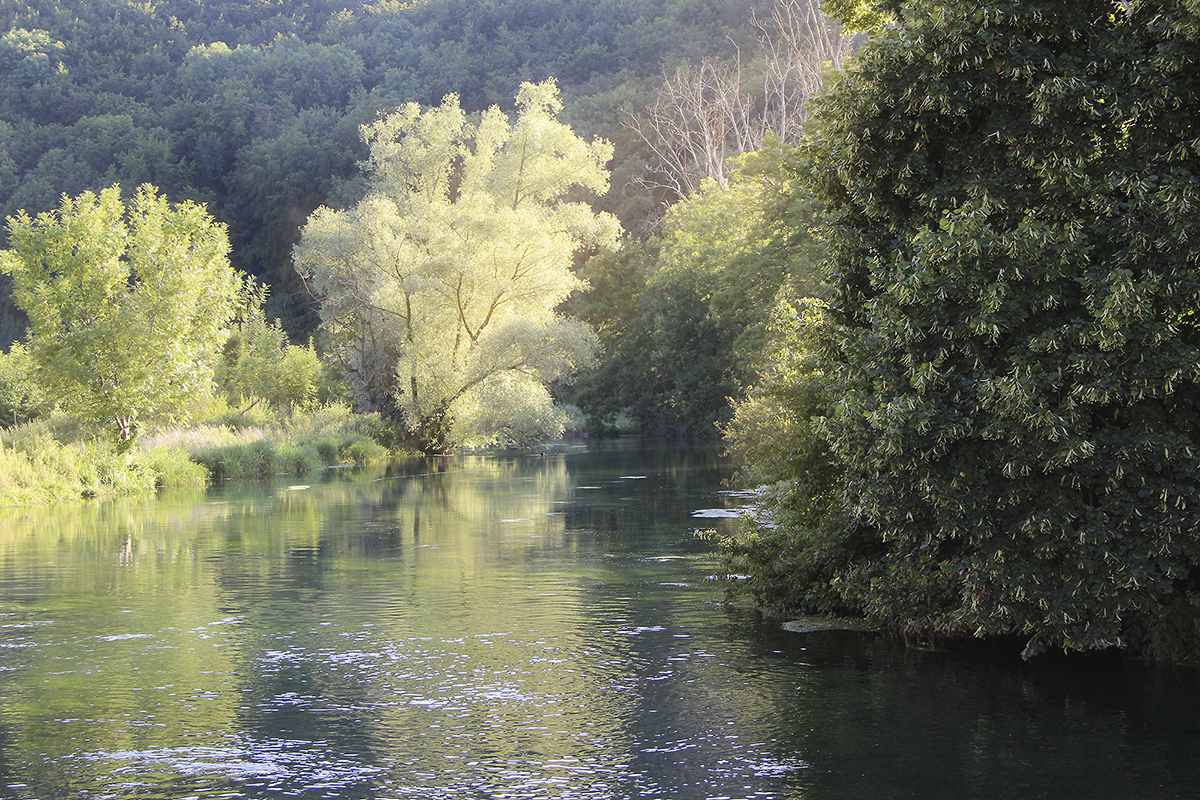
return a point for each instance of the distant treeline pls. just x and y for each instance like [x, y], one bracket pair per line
[253, 106]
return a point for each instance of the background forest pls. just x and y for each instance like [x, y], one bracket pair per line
[253, 108]
[258, 112]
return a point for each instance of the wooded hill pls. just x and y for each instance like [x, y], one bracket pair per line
[254, 106]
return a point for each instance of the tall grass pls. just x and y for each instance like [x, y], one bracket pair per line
[58, 458]
[35, 468]
[258, 445]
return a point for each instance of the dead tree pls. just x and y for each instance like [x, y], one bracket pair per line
[704, 115]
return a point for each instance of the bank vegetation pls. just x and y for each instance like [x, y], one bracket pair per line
[929, 269]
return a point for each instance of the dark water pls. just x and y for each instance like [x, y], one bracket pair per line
[508, 626]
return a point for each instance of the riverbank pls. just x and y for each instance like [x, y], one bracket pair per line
[57, 459]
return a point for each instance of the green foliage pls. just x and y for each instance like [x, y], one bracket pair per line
[298, 377]
[254, 107]
[29, 59]
[869, 16]
[447, 275]
[21, 397]
[173, 469]
[362, 451]
[1013, 191]
[35, 469]
[684, 317]
[127, 305]
[788, 554]
[256, 459]
[230, 445]
[259, 457]
[259, 363]
[771, 436]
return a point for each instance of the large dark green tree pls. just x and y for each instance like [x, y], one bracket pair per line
[1014, 192]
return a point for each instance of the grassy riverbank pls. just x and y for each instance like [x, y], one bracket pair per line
[58, 459]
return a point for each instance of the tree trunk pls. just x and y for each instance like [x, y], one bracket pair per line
[125, 432]
[433, 433]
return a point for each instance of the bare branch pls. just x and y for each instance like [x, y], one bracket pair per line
[702, 116]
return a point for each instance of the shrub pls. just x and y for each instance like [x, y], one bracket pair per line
[361, 450]
[327, 450]
[297, 457]
[174, 468]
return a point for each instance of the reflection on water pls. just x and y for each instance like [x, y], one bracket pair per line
[506, 626]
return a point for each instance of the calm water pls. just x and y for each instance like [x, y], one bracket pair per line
[508, 626]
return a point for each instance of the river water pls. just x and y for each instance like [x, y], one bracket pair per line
[509, 625]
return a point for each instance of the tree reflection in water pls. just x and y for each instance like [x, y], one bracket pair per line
[505, 625]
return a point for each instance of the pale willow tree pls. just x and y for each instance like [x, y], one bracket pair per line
[128, 306]
[449, 272]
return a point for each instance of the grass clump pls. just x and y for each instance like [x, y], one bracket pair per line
[174, 469]
[37, 468]
[258, 444]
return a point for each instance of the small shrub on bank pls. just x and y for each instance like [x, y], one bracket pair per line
[361, 450]
[327, 450]
[298, 457]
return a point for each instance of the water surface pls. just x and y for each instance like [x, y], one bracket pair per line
[508, 625]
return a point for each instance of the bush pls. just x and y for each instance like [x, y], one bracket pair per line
[327, 450]
[361, 450]
[21, 399]
[298, 457]
[249, 459]
[788, 557]
[787, 565]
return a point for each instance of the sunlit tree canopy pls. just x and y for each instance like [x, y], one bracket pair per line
[440, 287]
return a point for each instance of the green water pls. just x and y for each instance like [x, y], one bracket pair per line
[508, 625]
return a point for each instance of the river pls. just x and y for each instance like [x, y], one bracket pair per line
[509, 625]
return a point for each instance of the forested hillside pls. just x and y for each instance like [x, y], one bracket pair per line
[254, 106]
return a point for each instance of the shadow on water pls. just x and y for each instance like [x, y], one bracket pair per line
[972, 720]
[509, 624]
